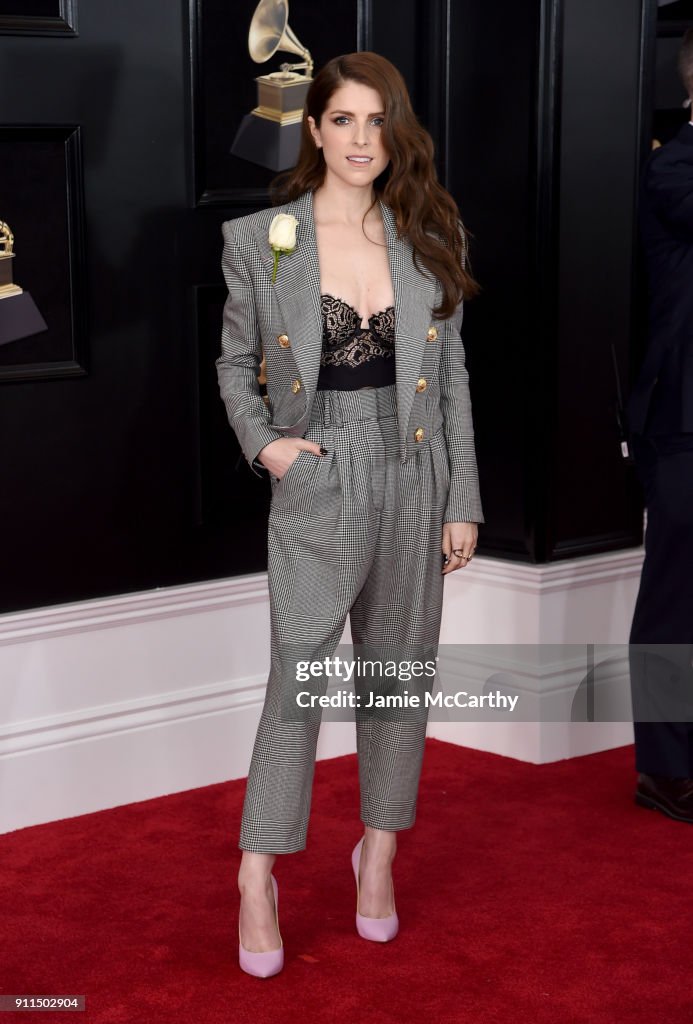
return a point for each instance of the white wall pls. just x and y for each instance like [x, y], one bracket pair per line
[120, 699]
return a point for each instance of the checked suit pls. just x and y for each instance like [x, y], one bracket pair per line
[356, 532]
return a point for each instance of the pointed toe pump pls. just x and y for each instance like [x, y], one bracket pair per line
[263, 965]
[376, 929]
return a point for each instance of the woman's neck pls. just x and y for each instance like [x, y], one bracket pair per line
[341, 203]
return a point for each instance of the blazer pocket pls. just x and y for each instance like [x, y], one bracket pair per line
[434, 413]
[439, 452]
[286, 410]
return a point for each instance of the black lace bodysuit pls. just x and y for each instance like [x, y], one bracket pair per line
[354, 356]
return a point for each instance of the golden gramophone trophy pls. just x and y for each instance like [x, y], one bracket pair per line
[271, 134]
[19, 316]
[7, 288]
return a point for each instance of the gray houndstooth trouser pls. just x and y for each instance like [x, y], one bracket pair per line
[354, 532]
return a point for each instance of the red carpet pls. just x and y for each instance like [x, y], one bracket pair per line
[525, 893]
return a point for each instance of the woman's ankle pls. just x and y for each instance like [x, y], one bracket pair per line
[255, 870]
[380, 846]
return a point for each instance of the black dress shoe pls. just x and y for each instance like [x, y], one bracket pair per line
[673, 797]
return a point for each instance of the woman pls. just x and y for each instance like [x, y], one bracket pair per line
[366, 433]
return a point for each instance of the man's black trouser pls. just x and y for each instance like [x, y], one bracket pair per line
[664, 608]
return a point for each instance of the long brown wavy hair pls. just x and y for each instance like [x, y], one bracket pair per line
[424, 211]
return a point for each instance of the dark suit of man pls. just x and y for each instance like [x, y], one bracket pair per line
[660, 414]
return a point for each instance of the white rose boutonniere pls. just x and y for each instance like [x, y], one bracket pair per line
[282, 237]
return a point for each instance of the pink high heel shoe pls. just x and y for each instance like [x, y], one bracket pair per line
[263, 965]
[377, 929]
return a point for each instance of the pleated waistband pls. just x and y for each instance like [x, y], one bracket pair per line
[335, 407]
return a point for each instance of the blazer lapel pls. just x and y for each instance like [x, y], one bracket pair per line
[415, 295]
[297, 288]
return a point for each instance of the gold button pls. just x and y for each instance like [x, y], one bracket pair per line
[432, 333]
[265, 399]
[421, 384]
[283, 340]
[418, 434]
[296, 386]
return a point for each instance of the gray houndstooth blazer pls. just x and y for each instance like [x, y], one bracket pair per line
[284, 320]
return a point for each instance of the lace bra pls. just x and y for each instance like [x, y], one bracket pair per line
[354, 356]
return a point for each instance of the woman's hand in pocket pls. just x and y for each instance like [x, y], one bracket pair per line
[278, 455]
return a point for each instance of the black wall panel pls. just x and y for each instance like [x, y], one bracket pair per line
[42, 199]
[97, 470]
[592, 494]
[493, 167]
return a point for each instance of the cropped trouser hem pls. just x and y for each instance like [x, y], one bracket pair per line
[255, 839]
[258, 843]
[388, 823]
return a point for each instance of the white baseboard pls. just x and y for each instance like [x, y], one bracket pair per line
[538, 743]
[121, 699]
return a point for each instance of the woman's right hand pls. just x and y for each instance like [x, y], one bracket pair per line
[278, 455]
